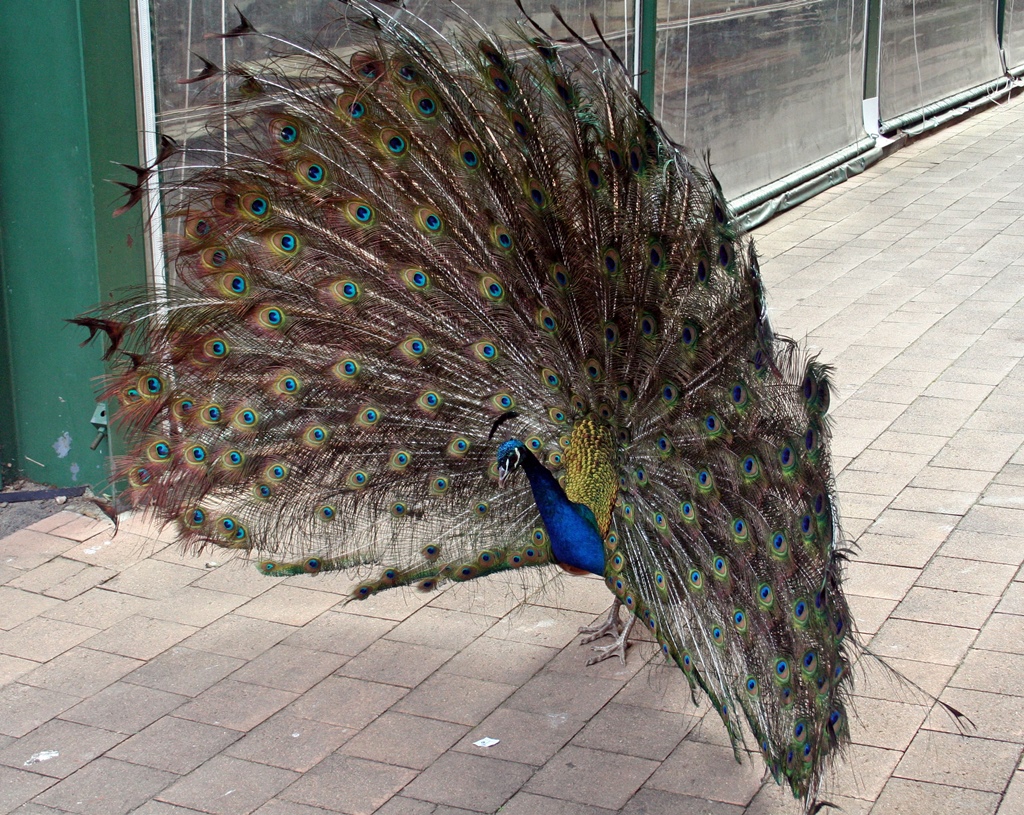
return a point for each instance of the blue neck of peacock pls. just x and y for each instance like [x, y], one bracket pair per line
[575, 540]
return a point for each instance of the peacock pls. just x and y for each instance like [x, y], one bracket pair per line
[451, 303]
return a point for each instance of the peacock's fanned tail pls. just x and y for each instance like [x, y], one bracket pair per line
[408, 236]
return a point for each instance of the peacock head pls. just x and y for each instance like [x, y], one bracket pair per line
[510, 456]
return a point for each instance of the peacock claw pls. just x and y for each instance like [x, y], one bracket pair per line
[617, 648]
[611, 626]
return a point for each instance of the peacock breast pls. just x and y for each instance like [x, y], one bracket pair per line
[590, 475]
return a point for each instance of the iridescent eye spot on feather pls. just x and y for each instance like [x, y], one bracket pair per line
[491, 289]
[315, 436]
[534, 443]
[718, 637]
[660, 583]
[656, 255]
[139, 477]
[765, 596]
[811, 440]
[491, 54]
[429, 221]
[664, 445]
[610, 261]
[469, 154]
[550, 379]
[214, 258]
[740, 531]
[669, 395]
[287, 384]
[458, 447]
[326, 513]
[781, 672]
[739, 621]
[725, 256]
[196, 454]
[753, 690]
[648, 326]
[346, 291]
[194, 518]
[558, 416]
[261, 492]
[636, 159]
[270, 317]
[713, 426]
[696, 579]
[787, 460]
[500, 81]
[809, 666]
[399, 509]
[311, 173]
[625, 395]
[564, 91]
[703, 271]
[346, 369]
[559, 275]
[750, 468]
[416, 279]
[350, 108]
[546, 321]
[414, 348]
[359, 213]
[399, 460]
[366, 66]
[807, 527]
[357, 479]
[705, 481]
[369, 417]
[150, 386]
[503, 402]
[255, 205]
[211, 415]
[284, 243]
[233, 284]
[485, 351]
[284, 131]
[439, 485]
[720, 567]
[660, 521]
[424, 104]
[640, 477]
[429, 401]
[276, 472]
[739, 396]
[501, 237]
[779, 545]
[394, 143]
[689, 336]
[159, 450]
[537, 194]
[594, 175]
[521, 126]
[245, 418]
[407, 73]
[555, 459]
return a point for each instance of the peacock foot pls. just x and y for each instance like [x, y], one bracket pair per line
[617, 648]
[611, 626]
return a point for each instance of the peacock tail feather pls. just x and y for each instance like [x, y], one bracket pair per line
[408, 237]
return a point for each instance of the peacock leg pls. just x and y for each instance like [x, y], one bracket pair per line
[611, 626]
[617, 648]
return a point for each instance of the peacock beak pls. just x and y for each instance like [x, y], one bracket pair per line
[503, 471]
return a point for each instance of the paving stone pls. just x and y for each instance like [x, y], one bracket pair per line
[241, 637]
[124, 707]
[400, 805]
[494, 597]
[291, 742]
[862, 771]
[277, 806]
[884, 723]
[1002, 632]
[346, 702]
[117, 552]
[537, 625]
[41, 639]
[1013, 799]
[454, 698]
[18, 786]
[175, 745]
[514, 662]
[991, 671]
[405, 740]
[954, 760]
[98, 608]
[593, 777]
[659, 802]
[340, 633]
[902, 797]
[23, 708]
[924, 642]
[48, 575]
[708, 771]
[389, 605]
[105, 787]
[80, 528]
[140, 637]
[287, 604]
[58, 748]
[153, 579]
[397, 663]
[471, 782]
[228, 786]
[236, 577]
[184, 671]
[552, 693]
[237, 705]
[635, 731]
[194, 606]
[53, 521]
[19, 606]
[441, 628]
[80, 671]
[945, 607]
[524, 738]
[876, 580]
[289, 668]
[27, 549]
[13, 667]
[970, 545]
[368, 785]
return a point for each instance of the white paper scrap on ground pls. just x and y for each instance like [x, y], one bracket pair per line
[486, 742]
[42, 755]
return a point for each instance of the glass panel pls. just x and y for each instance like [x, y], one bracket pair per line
[1013, 34]
[766, 86]
[932, 49]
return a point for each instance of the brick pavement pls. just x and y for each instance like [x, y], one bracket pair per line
[133, 679]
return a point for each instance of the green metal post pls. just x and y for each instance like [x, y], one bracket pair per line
[871, 46]
[646, 44]
[67, 111]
